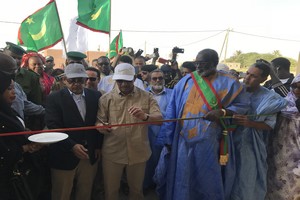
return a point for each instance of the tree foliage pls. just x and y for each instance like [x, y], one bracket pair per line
[247, 59]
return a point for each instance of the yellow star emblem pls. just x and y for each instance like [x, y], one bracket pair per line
[29, 20]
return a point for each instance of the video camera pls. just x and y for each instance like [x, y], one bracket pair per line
[177, 50]
[128, 51]
[59, 77]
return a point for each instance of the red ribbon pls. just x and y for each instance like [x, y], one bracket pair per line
[94, 127]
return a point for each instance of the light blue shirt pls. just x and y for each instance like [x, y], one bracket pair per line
[79, 99]
[24, 107]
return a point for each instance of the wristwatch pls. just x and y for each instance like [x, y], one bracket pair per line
[147, 117]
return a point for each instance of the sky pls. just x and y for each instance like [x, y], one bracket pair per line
[261, 26]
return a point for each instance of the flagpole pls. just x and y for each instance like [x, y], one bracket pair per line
[63, 37]
[109, 35]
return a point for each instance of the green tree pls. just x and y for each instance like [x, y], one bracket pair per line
[247, 59]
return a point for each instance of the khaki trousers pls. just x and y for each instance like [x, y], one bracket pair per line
[62, 181]
[112, 173]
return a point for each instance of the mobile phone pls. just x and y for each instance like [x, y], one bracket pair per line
[138, 53]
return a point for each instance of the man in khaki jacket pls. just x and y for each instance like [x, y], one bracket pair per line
[126, 147]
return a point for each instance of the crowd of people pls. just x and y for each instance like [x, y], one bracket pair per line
[191, 132]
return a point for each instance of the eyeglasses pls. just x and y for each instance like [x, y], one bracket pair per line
[160, 78]
[144, 72]
[200, 63]
[75, 80]
[91, 79]
[105, 63]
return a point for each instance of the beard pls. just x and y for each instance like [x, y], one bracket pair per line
[158, 87]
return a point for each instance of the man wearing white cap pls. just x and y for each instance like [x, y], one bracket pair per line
[126, 147]
[74, 158]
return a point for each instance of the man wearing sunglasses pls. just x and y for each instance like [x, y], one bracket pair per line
[162, 95]
[93, 78]
[194, 169]
[103, 64]
[76, 157]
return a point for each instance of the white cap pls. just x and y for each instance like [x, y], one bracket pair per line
[223, 67]
[75, 70]
[124, 71]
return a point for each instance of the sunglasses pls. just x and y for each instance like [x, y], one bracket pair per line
[91, 79]
[106, 63]
[75, 80]
[144, 72]
[200, 63]
[157, 78]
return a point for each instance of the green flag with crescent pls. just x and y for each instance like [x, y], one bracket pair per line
[94, 15]
[116, 45]
[41, 30]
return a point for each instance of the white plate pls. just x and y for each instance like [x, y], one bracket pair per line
[48, 138]
[296, 171]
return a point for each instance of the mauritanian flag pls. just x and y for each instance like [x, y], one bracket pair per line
[94, 15]
[41, 30]
[116, 45]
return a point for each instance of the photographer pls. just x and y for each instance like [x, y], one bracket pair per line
[169, 76]
[58, 83]
[176, 73]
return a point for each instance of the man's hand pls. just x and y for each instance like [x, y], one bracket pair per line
[108, 129]
[32, 147]
[137, 112]
[214, 115]
[80, 151]
[241, 120]
[273, 74]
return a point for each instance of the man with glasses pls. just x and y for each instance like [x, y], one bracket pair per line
[103, 64]
[193, 170]
[93, 78]
[162, 95]
[126, 147]
[74, 158]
